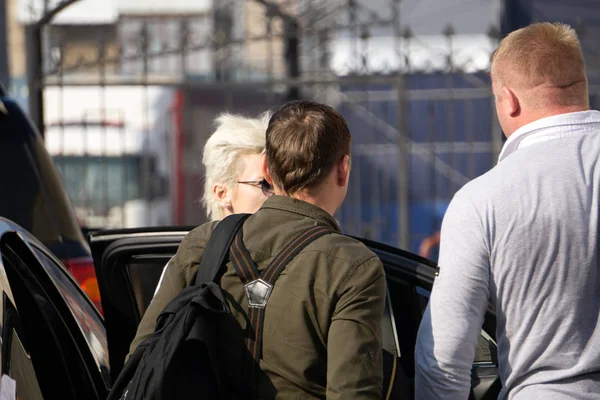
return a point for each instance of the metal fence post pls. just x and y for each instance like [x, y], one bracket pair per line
[402, 182]
[33, 38]
[403, 137]
[292, 42]
[292, 54]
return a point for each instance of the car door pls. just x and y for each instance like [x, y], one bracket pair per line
[52, 336]
[410, 279]
[129, 264]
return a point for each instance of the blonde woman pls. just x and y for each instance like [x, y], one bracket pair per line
[232, 159]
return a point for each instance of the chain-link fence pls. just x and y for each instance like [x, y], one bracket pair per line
[128, 103]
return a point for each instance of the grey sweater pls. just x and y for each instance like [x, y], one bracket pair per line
[525, 237]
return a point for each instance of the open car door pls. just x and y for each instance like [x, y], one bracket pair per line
[129, 264]
[410, 279]
[53, 340]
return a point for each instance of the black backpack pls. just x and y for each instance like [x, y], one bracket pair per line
[180, 359]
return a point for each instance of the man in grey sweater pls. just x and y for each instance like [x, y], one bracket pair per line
[524, 236]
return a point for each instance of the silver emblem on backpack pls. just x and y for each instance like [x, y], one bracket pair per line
[257, 293]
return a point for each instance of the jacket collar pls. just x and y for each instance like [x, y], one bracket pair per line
[553, 127]
[300, 207]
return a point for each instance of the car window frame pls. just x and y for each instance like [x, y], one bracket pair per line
[91, 310]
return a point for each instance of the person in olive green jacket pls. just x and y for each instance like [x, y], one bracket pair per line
[321, 336]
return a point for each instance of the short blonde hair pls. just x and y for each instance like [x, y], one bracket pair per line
[235, 136]
[546, 54]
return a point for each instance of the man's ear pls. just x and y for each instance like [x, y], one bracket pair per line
[512, 102]
[343, 169]
[265, 170]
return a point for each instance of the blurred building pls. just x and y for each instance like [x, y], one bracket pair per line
[405, 75]
[410, 78]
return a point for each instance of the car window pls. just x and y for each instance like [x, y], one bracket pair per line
[145, 272]
[88, 320]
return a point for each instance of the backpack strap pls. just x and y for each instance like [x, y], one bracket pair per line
[217, 248]
[245, 268]
[259, 287]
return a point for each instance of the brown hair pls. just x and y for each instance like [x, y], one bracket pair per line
[304, 142]
[544, 55]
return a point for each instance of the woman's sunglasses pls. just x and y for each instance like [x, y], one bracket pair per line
[265, 186]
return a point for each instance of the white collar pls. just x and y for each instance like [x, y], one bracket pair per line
[550, 128]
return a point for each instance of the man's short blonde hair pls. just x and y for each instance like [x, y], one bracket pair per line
[235, 137]
[544, 55]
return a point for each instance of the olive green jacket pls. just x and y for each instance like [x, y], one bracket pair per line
[321, 335]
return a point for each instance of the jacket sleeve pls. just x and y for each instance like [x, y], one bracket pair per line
[178, 274]
[450, 328]
[354, 366]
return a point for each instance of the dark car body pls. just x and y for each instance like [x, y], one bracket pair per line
[52, 335]
[33, 194]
